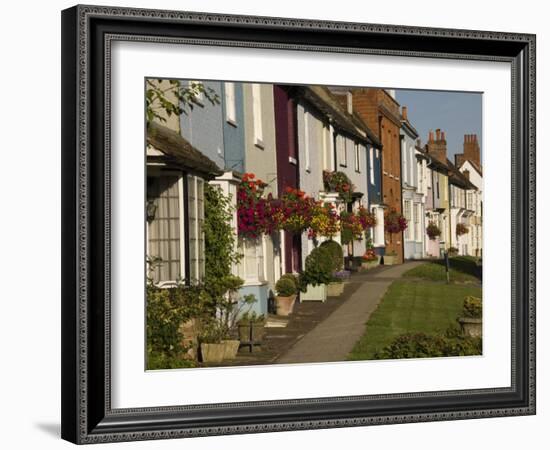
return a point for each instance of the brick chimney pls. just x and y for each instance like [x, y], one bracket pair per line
[365, 103]
[471, 149]
[437, 147]
[404, 113]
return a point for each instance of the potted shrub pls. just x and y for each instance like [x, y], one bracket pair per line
[258, 329]
[471, 320]
[336, 286]
[286, 289]
[343, 275]
[370, 259]
[390, 258]
[212, 348]
[317, 274]
[339, 280]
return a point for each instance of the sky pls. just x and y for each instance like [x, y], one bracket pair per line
[456, 113]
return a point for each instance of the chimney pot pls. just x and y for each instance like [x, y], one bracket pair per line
[404, 112]
[442, 135]
[438, 134]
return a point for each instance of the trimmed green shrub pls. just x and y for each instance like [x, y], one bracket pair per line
[472, 307]
[421, 345]
[318, 268]
[287, 285]
[337, 254]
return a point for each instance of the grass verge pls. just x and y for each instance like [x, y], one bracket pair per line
[463, 269]
[411, 307]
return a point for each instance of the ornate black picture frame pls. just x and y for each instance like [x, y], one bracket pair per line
[87, 415]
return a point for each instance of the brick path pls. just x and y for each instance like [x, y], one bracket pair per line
[334, 337]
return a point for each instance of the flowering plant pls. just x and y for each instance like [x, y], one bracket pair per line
[370, 255]
[366, 218]
[433, 231]
[350, 227]
[296, 209]
[394, 222]
[461, 229]
[338, 182]
[255, 214]
[342, 274]
[324, 221]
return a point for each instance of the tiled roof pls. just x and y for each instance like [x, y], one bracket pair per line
[458, 178]
[327, 103]
[179, 151]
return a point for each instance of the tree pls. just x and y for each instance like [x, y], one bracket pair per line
[158, 102]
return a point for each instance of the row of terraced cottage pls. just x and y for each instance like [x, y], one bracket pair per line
[352, 150]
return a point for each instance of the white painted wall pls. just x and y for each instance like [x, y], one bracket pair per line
[312, 140]
[475, 236]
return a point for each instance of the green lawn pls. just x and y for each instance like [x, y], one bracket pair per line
[412, 306]
[463, 269]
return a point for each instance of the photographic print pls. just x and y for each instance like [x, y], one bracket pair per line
[307, 224]
[310, 210]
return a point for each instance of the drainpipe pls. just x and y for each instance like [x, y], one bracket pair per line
[382, 201]
[334, 148]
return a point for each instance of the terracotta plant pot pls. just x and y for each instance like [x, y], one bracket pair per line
[335, 289]
[231, 348]
[470, 326]
[212, 353]
[284, 305]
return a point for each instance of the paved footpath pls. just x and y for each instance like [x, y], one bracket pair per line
[334, 338]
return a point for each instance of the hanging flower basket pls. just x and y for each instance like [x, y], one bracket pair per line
[296, 210]
[324, 221]
[394, 222]
[433, 231]
[461, 229]
[367, 219]
[256, 215]
[338, 182]
[350, 227]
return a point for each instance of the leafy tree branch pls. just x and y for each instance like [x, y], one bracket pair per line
[159, 103]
